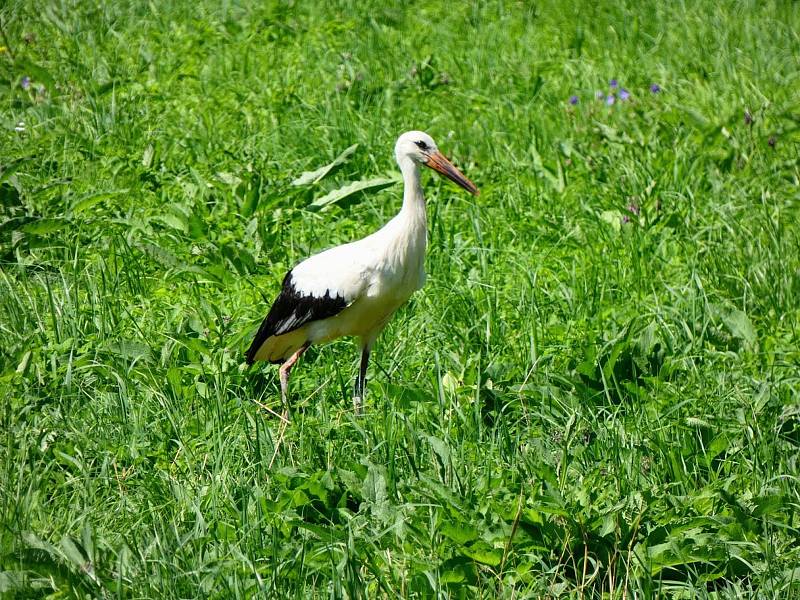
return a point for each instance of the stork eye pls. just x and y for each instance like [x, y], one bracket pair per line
[421, 145]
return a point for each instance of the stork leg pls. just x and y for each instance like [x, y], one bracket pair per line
[361, 380]
[284, 371]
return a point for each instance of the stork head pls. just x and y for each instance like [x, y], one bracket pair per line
[420, 148]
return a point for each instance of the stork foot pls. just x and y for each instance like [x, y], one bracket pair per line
[283, 373]
[357, 405]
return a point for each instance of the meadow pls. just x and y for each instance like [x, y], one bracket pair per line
[596, 394]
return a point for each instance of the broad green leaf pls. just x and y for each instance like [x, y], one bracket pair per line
[226, 531]
[375, 489]
[461, 533]
[696, 117]
[196, 228]
[165, 257]
[147, 156]
[71, 552]
[531, 516]
[13, 580]
[609, 525]
[194, 269]
[616, 351]
[323, 532]
[308, 177]
[458, 570]
[554, 179]
[129, 349]
[251, 200]
[450, 383]
[67, 458]
[34, 541]
[23, 364]
[44, 226]
[9, 169]
[607, 132]
[447, 576]
[439, 447]
[483, 553]
[228, 178]
[173, 220]
[717, 446]
[352, 188]
[9, 197]
[90, 200]
[317, 488]
[613, 218]
[740, 326]
[768, 505]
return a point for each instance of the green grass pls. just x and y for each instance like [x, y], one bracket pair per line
[581, 402]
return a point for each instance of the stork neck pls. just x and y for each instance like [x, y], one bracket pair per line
[413, 196]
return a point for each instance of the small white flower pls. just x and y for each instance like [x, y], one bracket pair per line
[20, 126]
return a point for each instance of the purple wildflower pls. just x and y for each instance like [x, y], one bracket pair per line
[626, 219]
[613, 83]
[573, 100]
[748, 118]
[610, 99]
[25, 83]
[655, 88]
[624, 94]
[634, 208]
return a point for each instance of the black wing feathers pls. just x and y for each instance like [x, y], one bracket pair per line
[291, 310]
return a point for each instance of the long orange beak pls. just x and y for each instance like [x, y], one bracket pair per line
[438, 162]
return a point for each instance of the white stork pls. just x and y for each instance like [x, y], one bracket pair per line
[353, 289]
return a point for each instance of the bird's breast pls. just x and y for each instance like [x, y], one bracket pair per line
[401, 268]
[390, 267]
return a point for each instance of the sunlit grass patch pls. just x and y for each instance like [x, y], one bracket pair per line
[595, 395]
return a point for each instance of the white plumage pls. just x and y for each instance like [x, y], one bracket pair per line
[353, 289]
